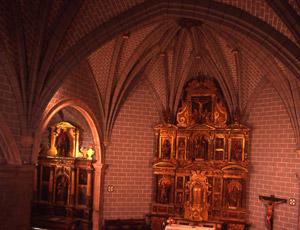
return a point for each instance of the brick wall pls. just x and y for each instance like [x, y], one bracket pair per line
[273, 161]
[129, 158]
[78, 85]
[15, 195]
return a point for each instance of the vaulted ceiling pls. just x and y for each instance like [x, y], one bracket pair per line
[241, 43]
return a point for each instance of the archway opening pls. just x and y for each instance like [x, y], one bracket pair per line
[68, 168]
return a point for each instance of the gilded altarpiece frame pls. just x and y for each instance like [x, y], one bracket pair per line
[206, 168]
[64, 181]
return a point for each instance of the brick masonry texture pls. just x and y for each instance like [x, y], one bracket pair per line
[273, 161]
[129, 157]
[78, 85]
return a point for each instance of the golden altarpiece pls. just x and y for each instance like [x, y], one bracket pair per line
[64, 182]
[200, 166]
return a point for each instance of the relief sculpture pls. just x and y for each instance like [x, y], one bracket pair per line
[164, 187]
[200, 147]
[234, 194]
[196, 208]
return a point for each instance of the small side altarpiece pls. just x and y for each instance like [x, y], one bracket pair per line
[64, 181]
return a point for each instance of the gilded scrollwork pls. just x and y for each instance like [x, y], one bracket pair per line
[201, 162]
[183, 116]
[196, 207]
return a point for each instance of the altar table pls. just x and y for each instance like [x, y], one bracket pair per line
[186, 227]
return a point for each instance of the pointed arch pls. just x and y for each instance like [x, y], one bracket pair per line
[84, 110]
[99, 165]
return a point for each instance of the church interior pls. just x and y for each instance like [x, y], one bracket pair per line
[156, 114]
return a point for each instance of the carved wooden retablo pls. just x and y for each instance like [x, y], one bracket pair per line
[201, 163]
[64, 182]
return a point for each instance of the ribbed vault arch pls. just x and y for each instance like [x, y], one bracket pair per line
[10, 148]
[154, 11]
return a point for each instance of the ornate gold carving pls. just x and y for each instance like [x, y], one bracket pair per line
[201, 105]
[201, 163]
[64, 142]
[233, 195]
[220, 114]
[183, 116]
[196, 208]
[164, 186]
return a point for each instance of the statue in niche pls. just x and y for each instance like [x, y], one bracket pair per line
[200, 148]
[61, 193]
[166, 149]
[164, 186]
[63, 143]
[236, 150]
[234, 194]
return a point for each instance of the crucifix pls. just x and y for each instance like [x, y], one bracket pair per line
[270, 202]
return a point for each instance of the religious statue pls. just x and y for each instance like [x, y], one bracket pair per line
[63, 143]
[200, 148]
[164, 185]
[166, 149]
[236, 150]
[270, 202]
[234, 192]
[201, 111]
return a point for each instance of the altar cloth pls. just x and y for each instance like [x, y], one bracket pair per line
[186, 227]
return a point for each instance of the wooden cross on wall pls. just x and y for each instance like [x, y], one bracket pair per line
[270, 202]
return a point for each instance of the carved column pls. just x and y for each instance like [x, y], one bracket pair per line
[51, 186]
[98, 195]
[156, 147]
[72, 184]
[76, 146]
[89, 188]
